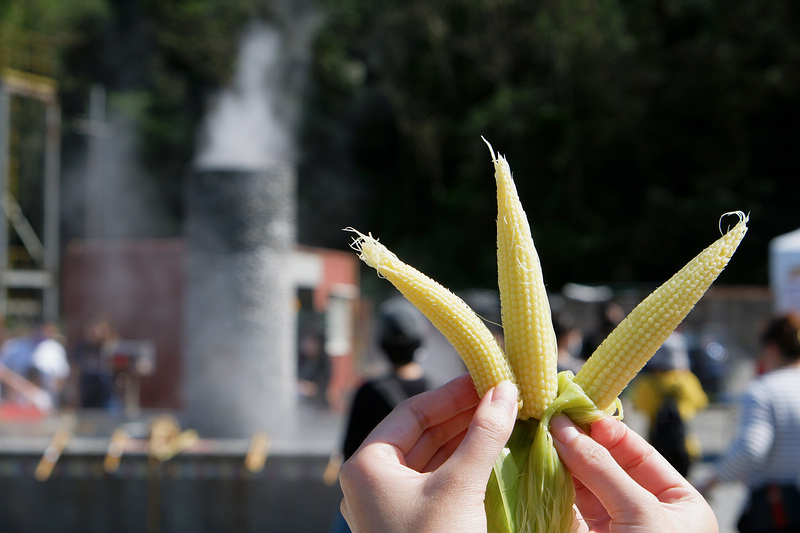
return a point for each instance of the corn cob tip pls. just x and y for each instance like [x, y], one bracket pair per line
[459, 324]
[498, 160]
[628, 348]
[370, 250]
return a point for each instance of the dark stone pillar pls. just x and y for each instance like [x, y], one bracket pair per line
[239, 330]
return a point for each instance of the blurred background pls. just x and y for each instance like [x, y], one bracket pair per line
[176, 176]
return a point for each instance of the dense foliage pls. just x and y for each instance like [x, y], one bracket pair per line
[630, 126]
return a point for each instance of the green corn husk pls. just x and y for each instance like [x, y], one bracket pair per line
[530, 490]
[501, 494]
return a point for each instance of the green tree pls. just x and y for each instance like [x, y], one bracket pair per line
[630, 127]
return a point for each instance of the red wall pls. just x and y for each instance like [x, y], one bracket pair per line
[139, 286]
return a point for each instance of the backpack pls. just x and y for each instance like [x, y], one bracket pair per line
[668, 435]
[390, 389]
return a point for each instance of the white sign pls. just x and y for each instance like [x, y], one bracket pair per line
[784, 271]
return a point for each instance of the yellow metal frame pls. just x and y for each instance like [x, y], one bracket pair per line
[28, 66]
[30, 85]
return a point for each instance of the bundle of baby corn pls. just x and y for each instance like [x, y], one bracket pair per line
[530, 490]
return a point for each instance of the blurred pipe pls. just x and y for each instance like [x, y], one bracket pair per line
[52, 212]
[257, 452]
[5, 128]
[52, 454]
[116, 447]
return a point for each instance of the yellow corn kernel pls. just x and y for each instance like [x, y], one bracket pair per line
[465, 331]
[626, 350]
[529, 337]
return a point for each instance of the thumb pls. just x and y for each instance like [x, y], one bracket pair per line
[488, 432]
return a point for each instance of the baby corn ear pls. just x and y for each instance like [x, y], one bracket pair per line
[626, 350]
[447, 312]
[529, 337]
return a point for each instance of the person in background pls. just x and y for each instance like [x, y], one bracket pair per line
[765, 453]
[35, 362]
[22, 382]
[314, 366]
[400, 338]
[670, 395]
[16, 355]
[49, 364]
[91, 360]
[611, 313]
[426, 466]
[567, 336]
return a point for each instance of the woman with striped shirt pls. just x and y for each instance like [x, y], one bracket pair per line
[765, 454]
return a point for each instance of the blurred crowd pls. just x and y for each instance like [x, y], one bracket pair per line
[38, 375]
[34, 368]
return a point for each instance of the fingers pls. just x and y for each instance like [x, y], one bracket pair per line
[404, 426]
[596, 469]
[620, 477]
[444, 452]
[638, 458]
[439, 442]
[424, 432]
[447, 430]
[620, 468]
[488, 432]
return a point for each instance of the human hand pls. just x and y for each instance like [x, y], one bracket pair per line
[426, 466]
[623, 485]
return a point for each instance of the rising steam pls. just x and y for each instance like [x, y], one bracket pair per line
[253, 122]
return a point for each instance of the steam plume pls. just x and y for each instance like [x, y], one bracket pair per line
[252, 123]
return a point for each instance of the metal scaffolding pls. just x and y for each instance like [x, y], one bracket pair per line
[27, 70]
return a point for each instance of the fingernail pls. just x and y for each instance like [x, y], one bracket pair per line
[505, 393]
[563, 429]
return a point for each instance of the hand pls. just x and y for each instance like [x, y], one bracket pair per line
[623, 485]
[426, 466]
